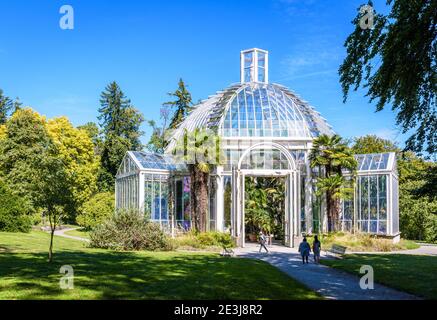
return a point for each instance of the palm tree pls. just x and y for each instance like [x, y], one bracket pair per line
[332, 156]
[200, 151]
[336, 188]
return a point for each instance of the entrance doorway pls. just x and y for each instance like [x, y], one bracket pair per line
[265, 160]
[265, 208]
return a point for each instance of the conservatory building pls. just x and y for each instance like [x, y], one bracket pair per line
[265, 130]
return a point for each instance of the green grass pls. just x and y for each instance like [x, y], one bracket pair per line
[101, 274]
[410, 273]
[79, 233]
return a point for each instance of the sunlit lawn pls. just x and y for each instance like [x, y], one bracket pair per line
[410, 273]
[81, 233]
[100, 274]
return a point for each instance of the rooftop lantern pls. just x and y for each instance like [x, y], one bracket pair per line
[254, 66]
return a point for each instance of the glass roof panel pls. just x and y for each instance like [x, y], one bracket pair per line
[262, 107]
[154, 161]
[375, 162]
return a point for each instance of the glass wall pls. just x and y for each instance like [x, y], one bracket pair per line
[372, 203]
[182, 204]
[127, 192]
[347, 215]
[227, 202]
[156, 194]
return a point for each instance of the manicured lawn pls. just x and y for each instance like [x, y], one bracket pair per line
[101, 274]
[409, 273]
[79, 233]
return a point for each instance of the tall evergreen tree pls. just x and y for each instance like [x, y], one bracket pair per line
[6, 105]
[120, 123]
[182, 104]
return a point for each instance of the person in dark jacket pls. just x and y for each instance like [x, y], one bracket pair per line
[304, 249]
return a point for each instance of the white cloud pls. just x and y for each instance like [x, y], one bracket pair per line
[314, 60]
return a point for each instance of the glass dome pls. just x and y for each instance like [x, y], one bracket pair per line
[261, 110]
[255, 110]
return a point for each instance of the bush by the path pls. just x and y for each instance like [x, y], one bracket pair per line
[214, 240]
[128, 230]
[14, 215]
[96, 210]
[363, 242]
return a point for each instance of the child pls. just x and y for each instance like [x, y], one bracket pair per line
[304, 249]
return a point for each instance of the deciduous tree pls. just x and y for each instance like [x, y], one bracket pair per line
[395, 62]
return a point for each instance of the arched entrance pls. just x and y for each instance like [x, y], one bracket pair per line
[270, 166]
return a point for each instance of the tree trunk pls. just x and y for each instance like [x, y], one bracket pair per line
[199, 198]
[52, 232]
[329, 210]
[193, 198]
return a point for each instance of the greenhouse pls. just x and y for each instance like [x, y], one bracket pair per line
[265, 130]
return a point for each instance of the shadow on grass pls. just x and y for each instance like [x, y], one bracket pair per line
[112, 275]
[410, 273]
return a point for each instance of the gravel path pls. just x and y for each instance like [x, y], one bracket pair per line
[329, 282]
[61, 233]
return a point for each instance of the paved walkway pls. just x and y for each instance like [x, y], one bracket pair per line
[329, 282]
[61, 233]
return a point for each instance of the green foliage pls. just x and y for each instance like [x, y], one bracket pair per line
[6, 105]
[396, 63]
[182, 104]
[93, 133]
[418, 210]
[204, 240]
[215, 239]
[23, 149]
[337, 186]
[76, 151]
[265, 205]
[120, 123]
[362, 242]
[96, 210]
[330, 155]
[201, 151]
[128, 230]
[158, 140]
[14, 213]
[373, 144]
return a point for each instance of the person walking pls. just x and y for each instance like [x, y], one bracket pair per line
[304, 249]
[262, 242]
[317, 247]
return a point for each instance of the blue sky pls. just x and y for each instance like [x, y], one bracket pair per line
[146, 46]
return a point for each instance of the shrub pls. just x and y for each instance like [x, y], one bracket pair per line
[205, 240]
[96, 210]
[14, 215]
[363, 242]
[128, 230]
